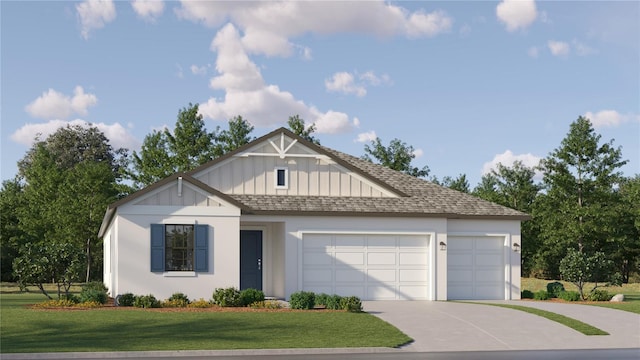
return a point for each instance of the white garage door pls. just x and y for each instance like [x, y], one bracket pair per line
[475, 268]
[372, 267]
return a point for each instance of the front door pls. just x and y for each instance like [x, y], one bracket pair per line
[250, 259]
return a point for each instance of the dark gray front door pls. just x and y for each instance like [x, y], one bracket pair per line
[250, 259]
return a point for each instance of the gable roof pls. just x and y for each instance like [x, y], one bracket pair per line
[415, 197]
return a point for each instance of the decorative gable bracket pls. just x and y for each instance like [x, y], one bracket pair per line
[283, 152]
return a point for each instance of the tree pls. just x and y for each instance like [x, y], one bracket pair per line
[238, 134]
[460, 183]
[190, 144]
[397, 156]
[624, 249]
[576, 209]
[298, 126]
[11, 199]
[154, 162]
[48, 262]
[579, 268]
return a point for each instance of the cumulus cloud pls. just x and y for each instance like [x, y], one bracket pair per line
[53, 104]
[118, 135]
[418, 153]
[559, 48]
[610, 118]
[347, 83]
[507, 158]
[268, 26]
[247, 94]
[517, 14]
[366, 137]
[198, 70]
[148, 10]
[94, 14]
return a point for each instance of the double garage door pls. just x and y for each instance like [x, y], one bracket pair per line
[475, 268]
[372, 267]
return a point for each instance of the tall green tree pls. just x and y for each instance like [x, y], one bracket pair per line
[190, 144]
[576, 209]
[459, 183]
[154, 162]
[298, 126]
[397, 156]
[11, 199]
[624, 249]
[237, 135]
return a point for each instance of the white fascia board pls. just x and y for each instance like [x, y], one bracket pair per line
[179, 210]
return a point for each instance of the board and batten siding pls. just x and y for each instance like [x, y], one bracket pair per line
[255, 175]
[169, 196]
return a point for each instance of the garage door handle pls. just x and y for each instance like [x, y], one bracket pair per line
[259, 264]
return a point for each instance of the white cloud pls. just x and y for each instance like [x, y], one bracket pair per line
[344, 82]
[582, 49]
[148, 10]
[507, 158]
[347, 83]
[366, 137]
[94, 14]
[118, 135]
[52, 104]
[610, 118]
[179, 71]
[199, 70]
[418, 153]
[533, 52]
[247, 94]
[268, 26]
[558, 48]
[517, 14]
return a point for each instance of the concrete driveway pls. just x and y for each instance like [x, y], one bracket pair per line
[454, 326]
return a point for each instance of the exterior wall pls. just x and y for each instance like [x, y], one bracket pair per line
[168, 196]
[510, 230]
[132, 251]
[295, 226]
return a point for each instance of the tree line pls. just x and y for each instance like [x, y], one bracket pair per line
[52, 210]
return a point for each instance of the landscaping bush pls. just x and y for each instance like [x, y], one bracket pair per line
[55, 303]
[554, 289]
[599, 295]
[266, 304]
[541, 295]
[331, 302]
[227, 297]
[569, 295]
[177, 300]
[526, 294]
[250, 296]
[351, 304]
[200, 303]
[94, 291]
[126, 299]
[302, 300]
[322, 299]
[146, 301]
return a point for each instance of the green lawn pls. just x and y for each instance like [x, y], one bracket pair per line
[631, 293]
[29, 330]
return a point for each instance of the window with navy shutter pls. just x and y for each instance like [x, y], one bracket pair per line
[179, 247]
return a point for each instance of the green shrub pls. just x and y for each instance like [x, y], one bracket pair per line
[541, 295]
[554, 289]
[126, 299]
[179, 298]
[146, 301]
[72, 297]
[599, 295]
[526, 294]
[89, 305]
[200, 303]
[250, 296]
[302, 300]
[94, 291]
[227, 297]
[334, 302]
[322, 299]
[55, 303]
[569, 295]
[266, 304]
[351, 304]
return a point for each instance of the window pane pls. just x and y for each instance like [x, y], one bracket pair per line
[179, 247]
[281, 177]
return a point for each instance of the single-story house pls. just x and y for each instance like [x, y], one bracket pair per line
[283, 214]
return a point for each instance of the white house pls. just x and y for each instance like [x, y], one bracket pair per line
[282, 214]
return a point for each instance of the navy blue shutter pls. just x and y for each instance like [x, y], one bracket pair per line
[157, 248]
[202, 248]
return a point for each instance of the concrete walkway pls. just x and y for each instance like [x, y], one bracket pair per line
[454, 326]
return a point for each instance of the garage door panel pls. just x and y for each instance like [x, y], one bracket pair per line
[372, 267]
[460, 259]
[489, 275]
[460, 275]
[460, 244]
[491, 244]
[489, 292]
[350, 258]
[488, 259]
[349, 275]
[381, 258]
[475, 268]
[407, 258]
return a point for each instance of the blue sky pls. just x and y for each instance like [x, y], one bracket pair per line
[468, 84]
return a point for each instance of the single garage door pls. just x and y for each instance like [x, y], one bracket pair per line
[372, 267]
[475, 268]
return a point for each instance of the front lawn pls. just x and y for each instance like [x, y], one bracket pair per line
[34, 330]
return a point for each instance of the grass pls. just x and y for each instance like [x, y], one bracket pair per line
[631, 293]
[561, 319]
[30, 330]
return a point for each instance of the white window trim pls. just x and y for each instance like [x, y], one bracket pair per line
[286, 177]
